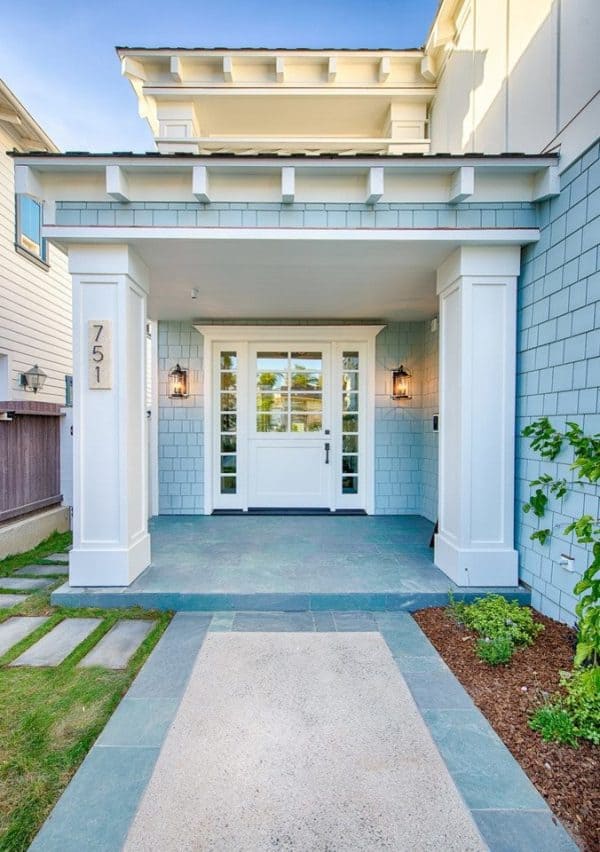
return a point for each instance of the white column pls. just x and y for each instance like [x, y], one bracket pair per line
[111, 544]
[477, 290]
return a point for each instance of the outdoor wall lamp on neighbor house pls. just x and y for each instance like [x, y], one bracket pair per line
[33, 380]
[401, 383]
[178, 383]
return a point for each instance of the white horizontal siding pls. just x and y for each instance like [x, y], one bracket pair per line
[35, 304]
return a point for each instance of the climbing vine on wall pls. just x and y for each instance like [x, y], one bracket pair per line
[548, 443]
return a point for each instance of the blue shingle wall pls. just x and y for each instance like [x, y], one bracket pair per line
[274, 215]
[559, 370]
[180, 423]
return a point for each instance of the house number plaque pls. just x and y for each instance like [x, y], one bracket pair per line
[99, 354]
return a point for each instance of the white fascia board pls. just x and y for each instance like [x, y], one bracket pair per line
[223, 332]
[460, 236]
[279, 69]
[288, 184]
[200, 183]
[175, 68]
[462, 185]
[117, 185]
[421, 93]
[375, 184]
[546, 184]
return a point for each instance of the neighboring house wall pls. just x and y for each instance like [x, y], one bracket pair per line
[35, 305]
[520, 77]
[405, 446]
[559, 369]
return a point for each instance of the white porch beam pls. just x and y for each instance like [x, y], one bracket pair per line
[288, 184]
[200, 183]
[332, 69]
[111, 544]
[131, 67]
[384, 69]
[477, 287]
[546, 184]
[228, 69]
[375, 185]
[117, 185]
[27, 182]
[280, 69]
[462, 185]
[175, 68]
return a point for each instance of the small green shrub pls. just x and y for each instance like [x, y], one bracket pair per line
[497, 651]
[553, 723]
[494, 616]
[582, 702]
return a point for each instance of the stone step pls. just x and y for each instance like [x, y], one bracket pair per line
[41, 570]
[116, 648]
[18, 627]
[7, 601]
[62, 558]
[24, 584]
[55, 646]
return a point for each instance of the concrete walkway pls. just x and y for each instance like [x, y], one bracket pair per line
[298, 731]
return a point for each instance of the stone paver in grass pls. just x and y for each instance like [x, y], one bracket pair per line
[58, 557]
[117, 647]
[55, 646]
[24, 584]
[41, 570]
[8, 601]
[18, 627]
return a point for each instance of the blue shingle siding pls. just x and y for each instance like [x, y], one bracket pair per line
[559, 370]
[180, 423]
[275, 215]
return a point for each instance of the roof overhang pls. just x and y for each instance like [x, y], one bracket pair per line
[20, 125]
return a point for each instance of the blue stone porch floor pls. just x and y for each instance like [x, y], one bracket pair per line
[284, 563]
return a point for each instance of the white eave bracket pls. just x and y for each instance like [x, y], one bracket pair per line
[288, 184]
[200, 183]
[546, 184]
[131, 67]
[175, 69]
[384, 69]
[375, 182]
[332, 69]
[280, 69]
[462, 184]
[228, 69]
[117, 185]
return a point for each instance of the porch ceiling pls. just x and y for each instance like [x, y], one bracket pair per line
[281, 279]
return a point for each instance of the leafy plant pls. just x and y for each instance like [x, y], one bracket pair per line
[497, 651]
[493, 617]
[548, 442]
[553, 723]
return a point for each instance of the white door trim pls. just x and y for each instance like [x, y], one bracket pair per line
[272, 333]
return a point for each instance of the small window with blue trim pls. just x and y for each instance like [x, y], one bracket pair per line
[29, 227]
[69, 391]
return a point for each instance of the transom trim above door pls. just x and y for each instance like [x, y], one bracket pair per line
[289, 417]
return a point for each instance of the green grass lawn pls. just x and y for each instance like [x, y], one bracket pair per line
[49, 718]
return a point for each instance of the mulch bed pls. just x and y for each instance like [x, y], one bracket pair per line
[568, 778]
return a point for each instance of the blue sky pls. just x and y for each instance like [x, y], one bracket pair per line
[59, 58]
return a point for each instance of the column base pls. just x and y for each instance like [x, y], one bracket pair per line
[477, 566]
[111, 566]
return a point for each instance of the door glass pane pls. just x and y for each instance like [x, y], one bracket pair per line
[350, 422]
[306, 423]
[306, 402]
[271, 402]
[271, 422]
[268, 380]
[272, 362]
[310, 381]
[228, 365]
[307, 361]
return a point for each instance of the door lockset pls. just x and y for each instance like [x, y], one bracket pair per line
[327, 448]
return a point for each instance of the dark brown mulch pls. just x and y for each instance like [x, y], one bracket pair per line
[568, 778]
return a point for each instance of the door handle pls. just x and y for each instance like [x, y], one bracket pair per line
[327, 448]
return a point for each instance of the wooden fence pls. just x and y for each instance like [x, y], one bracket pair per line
[29, 457]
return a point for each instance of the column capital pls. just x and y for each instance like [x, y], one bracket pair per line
[108, 259]
[482, 262]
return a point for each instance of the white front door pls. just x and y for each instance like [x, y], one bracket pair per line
[289, 420]
[289, 436]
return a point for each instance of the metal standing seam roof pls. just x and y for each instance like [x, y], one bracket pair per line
[184, 155]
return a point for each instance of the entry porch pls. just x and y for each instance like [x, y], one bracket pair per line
[285, 563]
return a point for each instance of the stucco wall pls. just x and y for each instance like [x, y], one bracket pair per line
[559, 368]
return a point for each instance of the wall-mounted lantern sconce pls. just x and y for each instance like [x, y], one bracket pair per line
[33, 380]
[401, 383]
[178, 382]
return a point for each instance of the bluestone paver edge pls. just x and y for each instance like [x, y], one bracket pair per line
[65, 827]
